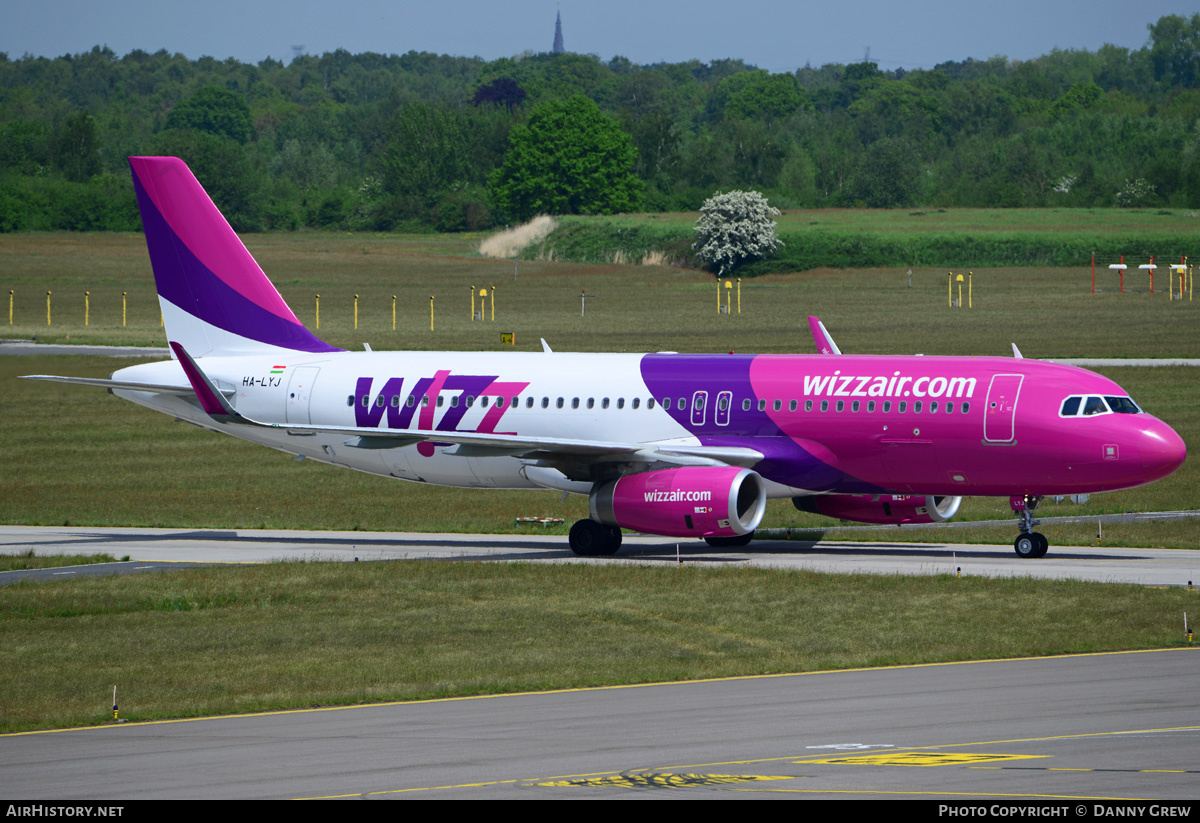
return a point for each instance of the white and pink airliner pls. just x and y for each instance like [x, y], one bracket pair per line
[682, 445]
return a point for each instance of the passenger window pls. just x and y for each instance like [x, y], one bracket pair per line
[887, 406]
[870, 406]
[778, 405]
[682, 404]
[949, 408]
[395, 401]
[441, 401]
[649, 403]
[350, 400]
[917, 407]
[591, 404]
[574, 402]
[966, 407]
[454, 402]
[792, 405]
[545, 402]
[666, 402]
[746, 404]
[620, 402]
[411, 401]
[1070, 407]
[603, 403]
[762, 405]
[558, 404]
[824, 405]
[902, 407]
[424, 400]
[841, 404]
[933, 407]
[808, 405]
[854, 406]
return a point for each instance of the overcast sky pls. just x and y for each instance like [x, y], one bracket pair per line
[779, 35]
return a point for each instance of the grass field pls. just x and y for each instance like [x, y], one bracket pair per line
[1047, 312]
[289, 635]
[73, 476]
[254, 638]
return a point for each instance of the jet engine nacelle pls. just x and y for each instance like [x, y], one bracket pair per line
[695, 501]
[886, 508]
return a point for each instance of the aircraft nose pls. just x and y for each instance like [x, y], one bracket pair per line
[1162, 450]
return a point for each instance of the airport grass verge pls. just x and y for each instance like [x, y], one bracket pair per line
[294, 635]
[865, 238]
[32, 560]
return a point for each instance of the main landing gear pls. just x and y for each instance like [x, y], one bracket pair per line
[1029, 543]
[591, 539]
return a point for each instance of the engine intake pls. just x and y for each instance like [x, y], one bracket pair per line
[694, 501]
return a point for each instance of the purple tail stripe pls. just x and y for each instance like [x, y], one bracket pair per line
[184, 205]
[253, 309]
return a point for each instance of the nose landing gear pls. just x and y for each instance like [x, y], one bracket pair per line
[1029, 543]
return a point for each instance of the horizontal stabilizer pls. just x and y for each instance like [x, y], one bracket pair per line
[125, 385]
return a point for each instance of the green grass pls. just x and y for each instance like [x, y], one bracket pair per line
[32, 560]
[81, 456]
[848, 238]
[288, 635]
[1048, 312]
[252, 638]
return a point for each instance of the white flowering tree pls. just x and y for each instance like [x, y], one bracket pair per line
[734, 228]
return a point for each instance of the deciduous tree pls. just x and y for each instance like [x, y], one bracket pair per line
[735, 228]
[569, 159]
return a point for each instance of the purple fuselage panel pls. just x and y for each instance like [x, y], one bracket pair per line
[791, 458]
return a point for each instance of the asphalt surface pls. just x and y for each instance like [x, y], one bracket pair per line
[1068, 729]
[164, 549]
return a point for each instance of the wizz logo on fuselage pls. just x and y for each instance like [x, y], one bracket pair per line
[392, 404]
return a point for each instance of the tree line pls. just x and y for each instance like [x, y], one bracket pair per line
[433, 142]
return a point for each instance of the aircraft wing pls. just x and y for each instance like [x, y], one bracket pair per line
[475, 444]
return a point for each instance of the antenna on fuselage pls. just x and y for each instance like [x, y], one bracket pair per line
[546, 347]
[1017, 352]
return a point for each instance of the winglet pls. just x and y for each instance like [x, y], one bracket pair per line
[211, 400]
[825, 344]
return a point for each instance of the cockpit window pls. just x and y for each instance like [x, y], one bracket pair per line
[1122, 405]
[1094, 405]
[1070, 407]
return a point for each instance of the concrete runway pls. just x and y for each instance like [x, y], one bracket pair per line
[151, 549]
[1111, 726]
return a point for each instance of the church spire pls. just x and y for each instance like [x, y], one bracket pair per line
[558, 41]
